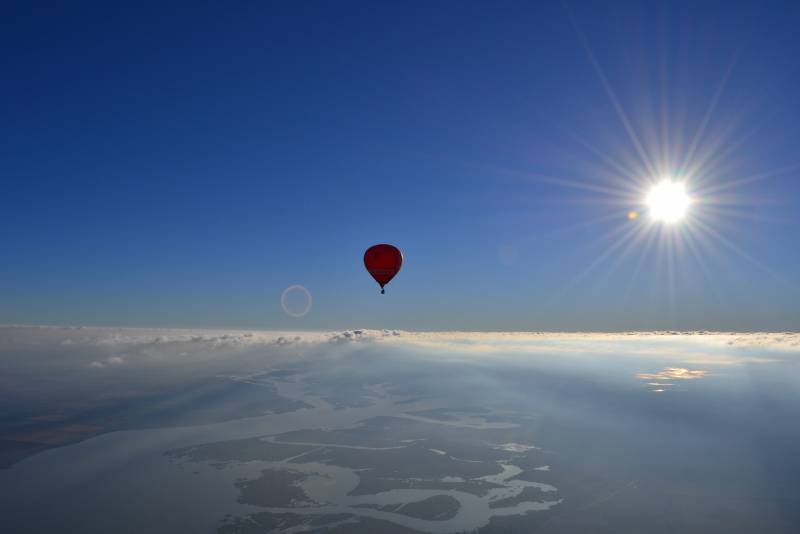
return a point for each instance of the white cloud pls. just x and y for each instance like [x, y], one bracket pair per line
[673, 373]
[111, 360]
[137, 344]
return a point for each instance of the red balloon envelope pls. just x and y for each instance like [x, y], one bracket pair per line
[383, 262]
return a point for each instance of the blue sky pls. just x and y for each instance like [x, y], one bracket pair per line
[182, 165]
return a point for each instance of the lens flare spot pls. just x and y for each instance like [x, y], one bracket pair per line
[296, 301]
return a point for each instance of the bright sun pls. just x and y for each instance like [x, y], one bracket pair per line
[668, 201]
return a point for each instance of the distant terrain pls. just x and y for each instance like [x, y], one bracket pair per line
[132, 430]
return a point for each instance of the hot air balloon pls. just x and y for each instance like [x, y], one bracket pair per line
[383, 262]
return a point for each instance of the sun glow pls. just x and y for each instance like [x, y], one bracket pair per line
[674, 191]
[668, 201]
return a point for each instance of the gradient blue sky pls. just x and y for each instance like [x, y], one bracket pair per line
[182, 165]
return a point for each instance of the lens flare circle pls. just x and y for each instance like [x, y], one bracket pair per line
[667, 201]
[296, 300]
